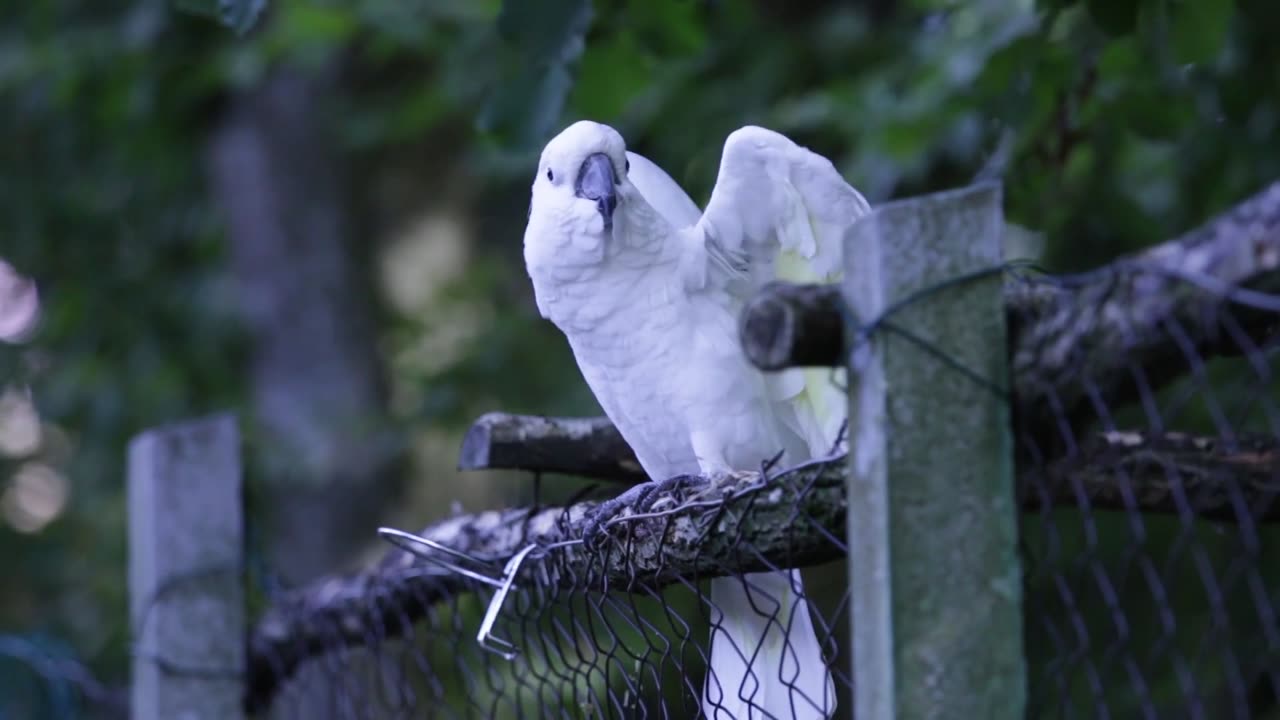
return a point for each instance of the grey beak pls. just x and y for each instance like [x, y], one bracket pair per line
[596, 181]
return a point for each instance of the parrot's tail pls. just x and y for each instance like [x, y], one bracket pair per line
[766, 661]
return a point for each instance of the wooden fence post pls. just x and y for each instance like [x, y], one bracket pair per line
[186, 591]
[934, 570]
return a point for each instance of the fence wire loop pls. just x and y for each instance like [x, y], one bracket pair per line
[412, 543]
[486, 638]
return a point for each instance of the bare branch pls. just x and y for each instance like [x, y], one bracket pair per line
[1088, 333]
[793, 520]
[787, 325]
[587, 447]
[693, 538]
[770, 333]
[1171, 473]
[1149, 313]
[1066, 338]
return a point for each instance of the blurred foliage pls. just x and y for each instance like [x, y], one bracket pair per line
[239, 15]
[1113, 124]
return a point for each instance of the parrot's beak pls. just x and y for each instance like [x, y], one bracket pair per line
[597, 182]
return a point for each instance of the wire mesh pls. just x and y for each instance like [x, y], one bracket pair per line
[1149, 513]
[601, 630]
[1147, 434]
[1146, 419]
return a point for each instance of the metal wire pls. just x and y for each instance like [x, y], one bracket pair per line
[1149, 515]
[1134, 608]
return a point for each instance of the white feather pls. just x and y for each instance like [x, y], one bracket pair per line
[652, 319]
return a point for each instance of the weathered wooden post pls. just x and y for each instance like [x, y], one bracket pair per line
[186, 591]
[934, 570]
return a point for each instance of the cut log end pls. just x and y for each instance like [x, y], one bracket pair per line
[787, 325]
[767, 333]
[476, 444]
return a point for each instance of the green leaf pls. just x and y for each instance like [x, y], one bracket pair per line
[239, 15]
[1024, 79]
[669, 27]
[1115, 17]
[304, 24]
[545, 30]
[544, 39]
[610, 75]
[1119, 59]
[1200, 29]
[1007, 66]
[1155, 115]
[525, 107]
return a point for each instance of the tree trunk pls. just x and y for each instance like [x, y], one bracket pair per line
[316, 382]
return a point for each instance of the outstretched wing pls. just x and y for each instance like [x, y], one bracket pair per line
[780, 212]
[776, 202]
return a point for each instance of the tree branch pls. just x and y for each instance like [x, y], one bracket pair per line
[586, 447]
[278, 174]
[1073, 337]
[1141, 322]
[1067, 339]
[787, 325]
[1170, 473]
[387, 600]
[739, 525]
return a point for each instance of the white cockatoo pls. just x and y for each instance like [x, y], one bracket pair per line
[648, 290]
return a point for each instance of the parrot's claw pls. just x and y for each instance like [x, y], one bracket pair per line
[640, 499]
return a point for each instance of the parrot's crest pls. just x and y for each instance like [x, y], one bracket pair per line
[566, 151]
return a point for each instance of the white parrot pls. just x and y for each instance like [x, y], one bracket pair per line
[648, 291]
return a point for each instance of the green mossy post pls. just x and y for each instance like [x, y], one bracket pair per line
[186, 585]
[934, 570]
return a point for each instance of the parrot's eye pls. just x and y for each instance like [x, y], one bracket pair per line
[628, 166]
[551, 177]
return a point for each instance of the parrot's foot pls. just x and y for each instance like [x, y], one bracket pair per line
[643, 499]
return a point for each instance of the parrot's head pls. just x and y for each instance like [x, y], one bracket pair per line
[581, 178]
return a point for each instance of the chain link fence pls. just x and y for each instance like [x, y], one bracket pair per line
[1146, 444]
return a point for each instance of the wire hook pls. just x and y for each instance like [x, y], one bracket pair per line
[505, 583]
[485, 637]
[407, 542]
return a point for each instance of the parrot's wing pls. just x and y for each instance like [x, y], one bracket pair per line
[661, 192]
[780, 212]
[775, 199]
